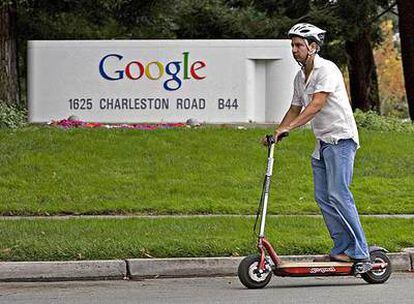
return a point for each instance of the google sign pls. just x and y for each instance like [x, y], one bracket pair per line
[130, 81]
[175, 71]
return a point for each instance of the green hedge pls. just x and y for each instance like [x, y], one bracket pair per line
[12, 116]
[372, 121]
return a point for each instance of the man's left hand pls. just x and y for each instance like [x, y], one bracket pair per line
[280, 133]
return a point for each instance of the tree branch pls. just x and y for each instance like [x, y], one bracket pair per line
[385, 11]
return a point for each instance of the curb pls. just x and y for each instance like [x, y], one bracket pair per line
[182, 267]
[62, 271]
[410, 251]
[137, 269]
[400, 261]
[199, 267]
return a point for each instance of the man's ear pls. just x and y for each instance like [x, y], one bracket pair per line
[314, 47]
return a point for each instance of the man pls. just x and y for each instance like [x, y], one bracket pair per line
[320, 91]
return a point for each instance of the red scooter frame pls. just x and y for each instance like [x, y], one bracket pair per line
[310, 268]
[255, 270]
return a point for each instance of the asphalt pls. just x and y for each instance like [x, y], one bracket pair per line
[218, 290]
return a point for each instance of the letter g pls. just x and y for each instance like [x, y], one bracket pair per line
[119, 73]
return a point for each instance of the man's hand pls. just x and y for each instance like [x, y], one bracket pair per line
[278, 135]
[264, 141]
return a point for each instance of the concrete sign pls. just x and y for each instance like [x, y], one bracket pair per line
[215, 81]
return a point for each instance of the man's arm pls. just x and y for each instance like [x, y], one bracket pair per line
[290, 115]
[317, 103]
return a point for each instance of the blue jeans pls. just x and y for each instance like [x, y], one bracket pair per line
[332, 176]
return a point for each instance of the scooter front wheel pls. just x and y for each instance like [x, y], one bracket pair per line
[250, 275]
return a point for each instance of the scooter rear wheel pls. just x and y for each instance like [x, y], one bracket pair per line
[378, 276]
[250, 274]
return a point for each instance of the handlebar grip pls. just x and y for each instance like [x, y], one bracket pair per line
[282, 135]
[271, 140]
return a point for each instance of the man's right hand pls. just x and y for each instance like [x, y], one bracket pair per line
[264, 141]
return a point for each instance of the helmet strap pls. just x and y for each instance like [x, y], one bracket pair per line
[311, 53]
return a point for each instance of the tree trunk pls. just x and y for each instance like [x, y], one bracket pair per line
[363, 78]
[406, 23]
[9, 84]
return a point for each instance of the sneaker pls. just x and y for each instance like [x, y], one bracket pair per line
[362, 267]
[342, 257]
[333, 258]
[322, 258]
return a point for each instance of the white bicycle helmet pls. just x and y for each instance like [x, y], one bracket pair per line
[309, 32]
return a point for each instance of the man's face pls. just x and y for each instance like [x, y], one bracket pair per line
[299, 49]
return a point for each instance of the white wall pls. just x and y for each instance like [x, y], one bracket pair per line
[65, 79]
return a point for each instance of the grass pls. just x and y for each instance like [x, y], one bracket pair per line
[78, 239]
[186, 171]
[47, 171]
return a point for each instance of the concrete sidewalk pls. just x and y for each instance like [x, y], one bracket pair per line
[150, 268]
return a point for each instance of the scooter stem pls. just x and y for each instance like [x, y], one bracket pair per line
[271, 148]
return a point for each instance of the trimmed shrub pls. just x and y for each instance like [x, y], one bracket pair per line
[372, 121]
[12, 116]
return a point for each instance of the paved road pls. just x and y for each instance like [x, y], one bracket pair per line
[399, 289]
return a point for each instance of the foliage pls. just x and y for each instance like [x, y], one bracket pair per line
[217, 19]
[391, 81]
[372, 121]
[345, 20]
[12, 116]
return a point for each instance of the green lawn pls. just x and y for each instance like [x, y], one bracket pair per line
[188, 171]
[22, 240]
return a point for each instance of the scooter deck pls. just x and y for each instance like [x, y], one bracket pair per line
[301, 269]
[314, 264]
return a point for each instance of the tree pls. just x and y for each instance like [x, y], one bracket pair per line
[406, 25]
[9, 85]
[353, 32]
[225, 19]
[363, 78]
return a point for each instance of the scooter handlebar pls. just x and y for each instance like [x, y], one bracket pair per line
[271, 139]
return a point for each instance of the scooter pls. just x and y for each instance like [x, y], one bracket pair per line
[255, 271]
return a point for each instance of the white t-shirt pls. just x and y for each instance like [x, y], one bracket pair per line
[335, 121]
